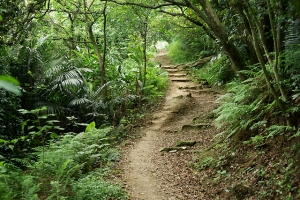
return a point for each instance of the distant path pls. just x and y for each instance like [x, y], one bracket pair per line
[148, 172]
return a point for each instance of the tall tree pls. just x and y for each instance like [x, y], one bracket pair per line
[88, 14]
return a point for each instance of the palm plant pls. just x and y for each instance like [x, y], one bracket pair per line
[292, 59]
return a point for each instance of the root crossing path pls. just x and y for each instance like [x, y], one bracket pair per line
[152, 174]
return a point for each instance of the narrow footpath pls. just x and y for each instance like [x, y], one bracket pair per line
[156, 166]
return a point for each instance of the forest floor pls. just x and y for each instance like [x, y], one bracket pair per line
[149, 173]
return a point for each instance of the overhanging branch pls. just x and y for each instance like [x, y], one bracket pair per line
[139, 4]
[194, 21]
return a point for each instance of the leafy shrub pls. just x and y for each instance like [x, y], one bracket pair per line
[14, 184]
[93, 187]
[156, 82]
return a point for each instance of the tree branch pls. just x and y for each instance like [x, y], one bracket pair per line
[139, 4]
[194, 21]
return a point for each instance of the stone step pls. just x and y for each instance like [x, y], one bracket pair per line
[178, 79]
[190, 88]
[172, 70]
[169, 67]
[177, 75]
[208, 91]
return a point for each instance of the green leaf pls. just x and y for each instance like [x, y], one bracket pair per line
[10, 80]
[52, 121]
[43, 117]
[53, 135]
[10, 87]
[297, 134]
[91, 126]
[58, 128]
[34, 133]
[14, 141]
[2, 141]
[23, 123]
[23, 111]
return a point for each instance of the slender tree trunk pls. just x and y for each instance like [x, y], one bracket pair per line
[103, 70]
[276, 47]
[145, 52]
[265, 71]
[101, 58]
[73, 46]
[245, 32]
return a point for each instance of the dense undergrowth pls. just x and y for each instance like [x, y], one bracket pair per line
[73, 166]
[49, 163]
[256, 153]
[44, 152]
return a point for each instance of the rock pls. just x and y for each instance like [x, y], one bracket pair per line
[173, 149]
[185, 143]
[188, 127]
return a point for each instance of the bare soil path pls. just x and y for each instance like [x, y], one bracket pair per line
[147, 172]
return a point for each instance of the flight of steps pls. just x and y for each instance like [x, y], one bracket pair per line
[175, 74]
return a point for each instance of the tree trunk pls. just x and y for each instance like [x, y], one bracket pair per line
[217, 27]
[267, 76]
[103, 70]
[276, 47]
[99, 57]
[144, 35]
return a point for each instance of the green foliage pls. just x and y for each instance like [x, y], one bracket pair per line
[9, 83]
[217, 71]
[205, 162]
[257, 141]
[189, 46]
[279, 178]
[290, 57]
[71, 167]
[93, 186]
[10, 118]
[40, 126]
[243, 111]
[277, 130]
[16, 185]
[156, 83]
[90, 127]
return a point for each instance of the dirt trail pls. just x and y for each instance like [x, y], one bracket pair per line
[151, 174]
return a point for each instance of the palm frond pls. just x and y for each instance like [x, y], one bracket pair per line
[80, 101]
[96, 93]
[52, 108]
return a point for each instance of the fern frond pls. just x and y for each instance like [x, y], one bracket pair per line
[276, 130]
